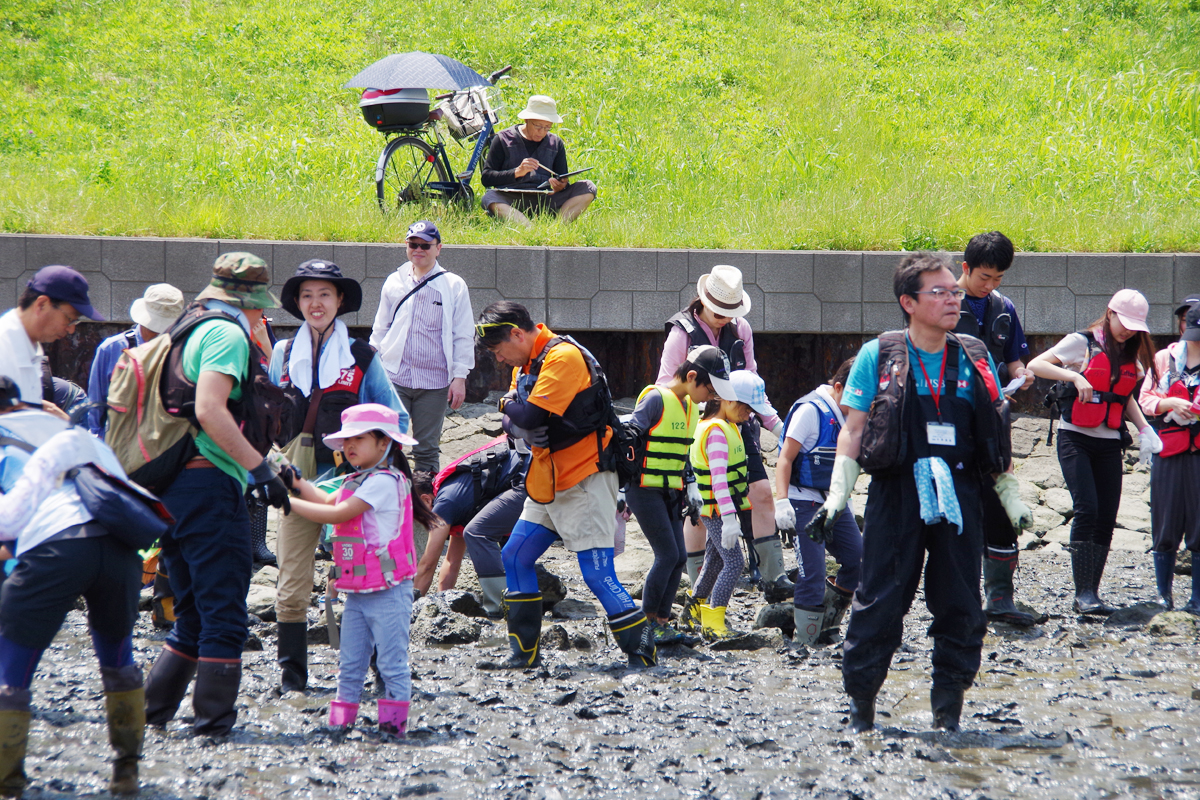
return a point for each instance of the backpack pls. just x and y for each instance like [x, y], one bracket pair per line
[152, 425]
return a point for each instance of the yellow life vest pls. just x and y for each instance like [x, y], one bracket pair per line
[667, 443]
[735, 473]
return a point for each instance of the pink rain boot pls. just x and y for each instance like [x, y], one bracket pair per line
[393, 717]
[342, 714]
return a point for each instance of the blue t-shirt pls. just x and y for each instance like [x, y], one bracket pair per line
[863, 383]
[1016, 348]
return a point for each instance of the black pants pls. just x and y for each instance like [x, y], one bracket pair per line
[50, 577]
[1091, 468]
[658, 514]
[895, 545]
[998, 532]
[1175, 501]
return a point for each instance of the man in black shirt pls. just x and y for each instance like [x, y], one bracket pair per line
[525, 157]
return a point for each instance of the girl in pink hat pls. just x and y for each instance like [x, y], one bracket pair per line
[374, 559]
[1098, 371]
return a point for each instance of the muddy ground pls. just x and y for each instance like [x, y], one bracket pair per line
[1073, 708]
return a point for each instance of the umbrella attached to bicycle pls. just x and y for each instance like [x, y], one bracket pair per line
[414, 166]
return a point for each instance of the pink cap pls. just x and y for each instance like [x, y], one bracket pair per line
[1131, 308]
[367, 417]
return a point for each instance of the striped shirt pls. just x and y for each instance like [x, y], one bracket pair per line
[423, 365]
[718, 464]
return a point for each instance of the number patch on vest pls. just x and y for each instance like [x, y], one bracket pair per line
[347, 552]
[940, 433]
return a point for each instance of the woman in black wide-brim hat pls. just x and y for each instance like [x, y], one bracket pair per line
[325, 372]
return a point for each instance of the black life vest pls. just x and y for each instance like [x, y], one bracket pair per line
[336, 398]
[727, 338]
[589, 412]
[994, 331]
[1113, 388]
[494, 468]
[895, 436]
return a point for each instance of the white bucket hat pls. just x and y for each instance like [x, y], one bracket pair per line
[721, 292]
[367, 417]
[158, 308]
[541, 107]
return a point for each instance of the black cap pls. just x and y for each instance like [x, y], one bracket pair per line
[10, 395]
[316, 269]
[1191, 326]
[1191, 300]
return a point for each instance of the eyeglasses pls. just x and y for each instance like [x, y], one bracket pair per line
[71, 321]
[481, 330]
[539, 126]
[420, 245]
[945, 294]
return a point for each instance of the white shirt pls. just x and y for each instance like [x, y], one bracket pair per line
[381, 493]
[390, 337]
[21, 358]
[805, 428]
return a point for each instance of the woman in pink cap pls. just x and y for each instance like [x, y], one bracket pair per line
[1099, 370]
[374, 559]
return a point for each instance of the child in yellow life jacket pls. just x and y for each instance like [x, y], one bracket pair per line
[668, 414]
[718, 457]
[374, 559]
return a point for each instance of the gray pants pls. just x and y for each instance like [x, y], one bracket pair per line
[426, 410]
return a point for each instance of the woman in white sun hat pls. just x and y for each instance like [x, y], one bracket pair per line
[526, 156]
[717, 317]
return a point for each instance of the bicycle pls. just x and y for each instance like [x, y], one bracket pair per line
[415, 167]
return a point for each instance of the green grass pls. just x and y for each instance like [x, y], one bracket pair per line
[876, 124]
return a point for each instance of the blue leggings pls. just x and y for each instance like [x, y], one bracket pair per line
[527, 544]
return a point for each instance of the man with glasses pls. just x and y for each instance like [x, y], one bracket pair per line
[52, 304]
[524, 158]
[927, 421]
[423, 331]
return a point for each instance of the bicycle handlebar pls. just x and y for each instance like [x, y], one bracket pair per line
[498, 74]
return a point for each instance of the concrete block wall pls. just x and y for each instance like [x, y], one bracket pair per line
[616, 289]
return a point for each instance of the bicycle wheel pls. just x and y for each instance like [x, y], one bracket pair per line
[405, 170]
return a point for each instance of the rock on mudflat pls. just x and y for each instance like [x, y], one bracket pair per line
[1135, 616]
[260, 601]
[777, 615]
[460, 602]
[1175, 623]
[575, 609]
[436, 624]
[551, 586]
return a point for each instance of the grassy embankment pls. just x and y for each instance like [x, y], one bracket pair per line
[1072, 124]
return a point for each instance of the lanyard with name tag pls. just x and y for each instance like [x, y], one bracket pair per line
[938, 433]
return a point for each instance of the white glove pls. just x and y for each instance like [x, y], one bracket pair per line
[785, 515]
[1009, 492]
[731, 531]
[1148, 445]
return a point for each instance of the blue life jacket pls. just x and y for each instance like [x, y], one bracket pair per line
[813, 469]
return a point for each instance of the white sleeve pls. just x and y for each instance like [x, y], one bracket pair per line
[805, 426]
[1071, 351]
[383, 316]
[379, 492]
[463, 357]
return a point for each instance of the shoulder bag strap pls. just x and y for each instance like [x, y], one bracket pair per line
[413, 291]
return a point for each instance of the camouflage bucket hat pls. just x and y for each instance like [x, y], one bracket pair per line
[242, 280]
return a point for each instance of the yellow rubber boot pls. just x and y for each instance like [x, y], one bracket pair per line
[712, 622]
[689, 617]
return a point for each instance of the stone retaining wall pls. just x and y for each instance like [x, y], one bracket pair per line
[622, 289]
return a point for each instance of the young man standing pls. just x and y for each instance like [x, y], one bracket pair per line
[422, 331]
[558, 402]
[937, 436]
[992, 318]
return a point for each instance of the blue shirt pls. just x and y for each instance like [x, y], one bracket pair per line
[1016, 348]
[863, 383]
[103, 364]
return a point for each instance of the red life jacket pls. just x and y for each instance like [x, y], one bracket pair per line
[1178, 438]
[1112, 391]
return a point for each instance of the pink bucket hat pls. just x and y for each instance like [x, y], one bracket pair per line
[367, 417]
[1131, 308]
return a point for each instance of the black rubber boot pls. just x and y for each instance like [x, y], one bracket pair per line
[125, 704]
[14, 737]
[862, 714]
[777, 587]
[166, 685]
[293, 655]
[947, 703]
[1192, 606]
[1164, 577]
[635, 636]
[836, 603]
[524, 630]
[258, 535]
[998, 569]
[1087, 566]
[216, 693]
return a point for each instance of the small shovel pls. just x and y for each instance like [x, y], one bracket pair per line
[335, 633]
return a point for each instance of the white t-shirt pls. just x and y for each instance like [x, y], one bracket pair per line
[20, 358]
[805, 428]
[380, 492]
[1072, 351]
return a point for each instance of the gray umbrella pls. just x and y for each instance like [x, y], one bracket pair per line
[416, 70]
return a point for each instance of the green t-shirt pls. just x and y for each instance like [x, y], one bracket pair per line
[218, 346]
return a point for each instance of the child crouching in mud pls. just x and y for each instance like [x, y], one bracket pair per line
[374, 559]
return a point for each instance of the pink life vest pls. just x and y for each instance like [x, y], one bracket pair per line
[361, 567]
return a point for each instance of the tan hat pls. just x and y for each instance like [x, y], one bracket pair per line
[541, 107]
[158, 308]
[242, 280]
[721, 292]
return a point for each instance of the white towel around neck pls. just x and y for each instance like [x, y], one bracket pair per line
[335, 357]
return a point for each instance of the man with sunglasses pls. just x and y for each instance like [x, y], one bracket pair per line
[423, 331]
[53, 302]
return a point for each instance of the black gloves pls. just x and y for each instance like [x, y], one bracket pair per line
[270, 487]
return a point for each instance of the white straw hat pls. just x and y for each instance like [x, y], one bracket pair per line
[721, 292]
[541, 107]
[158, 308]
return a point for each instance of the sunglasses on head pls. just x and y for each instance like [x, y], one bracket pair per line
[420, 245]
[481, 330]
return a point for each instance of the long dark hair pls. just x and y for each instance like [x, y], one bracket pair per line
[1137, 348]
[421, 512]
